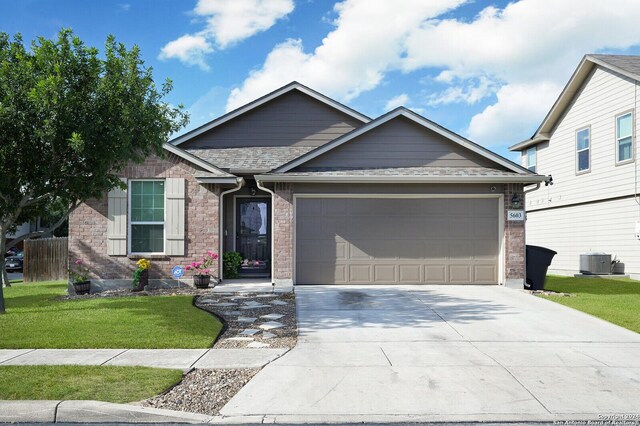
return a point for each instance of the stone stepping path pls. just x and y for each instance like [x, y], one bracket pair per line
[279, 303]
[266, 335]
[249, 332]
[272, 316]
[247, 319]
[258, 345]
[271, 325]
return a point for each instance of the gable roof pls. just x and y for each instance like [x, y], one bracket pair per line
[264, 99]
[404, 112]
[626, 65]
[211, 172]
[260, 159]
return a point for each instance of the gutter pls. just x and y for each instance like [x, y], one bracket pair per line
[401, 179]
[239, 184]
[273, 222]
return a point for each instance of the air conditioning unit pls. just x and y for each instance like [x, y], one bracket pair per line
[595, 264]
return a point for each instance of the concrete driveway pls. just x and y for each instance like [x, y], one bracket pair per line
[450, 353]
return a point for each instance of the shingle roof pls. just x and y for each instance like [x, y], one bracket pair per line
[253, 159]
[628, 63]
[402, 171]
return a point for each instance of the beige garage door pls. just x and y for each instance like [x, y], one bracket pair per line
[396, 241]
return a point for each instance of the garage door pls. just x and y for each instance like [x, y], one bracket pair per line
[396, 241]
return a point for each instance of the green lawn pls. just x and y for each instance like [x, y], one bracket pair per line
[614, 300]
[35, 318]
[67, 382]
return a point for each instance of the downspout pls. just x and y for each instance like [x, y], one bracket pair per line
[273, 216]
[239, 184]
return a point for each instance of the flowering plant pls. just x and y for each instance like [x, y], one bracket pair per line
[202, 267]
[79, 273]
[143, 265]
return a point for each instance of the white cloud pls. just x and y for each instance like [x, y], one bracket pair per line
[528, 48]
[189, 49]
[227, 22]
[470, 92]
[125, 7]
[509, 120]
[397, 101]
[366, 43]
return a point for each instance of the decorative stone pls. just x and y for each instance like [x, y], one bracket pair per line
[249, 332]
[255, 306]
[266, 295]
[272, 316]
[225, 304]
[271, 325]
[279, 303]
[246, 319]
[266, 335]
[258, 345]
[240, 339]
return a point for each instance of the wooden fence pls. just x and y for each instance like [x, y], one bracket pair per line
[45, 259]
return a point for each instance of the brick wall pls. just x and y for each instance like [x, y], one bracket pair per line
[88, 224]
[514, 235]
[283, 232]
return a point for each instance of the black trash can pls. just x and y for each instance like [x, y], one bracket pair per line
[538, 261]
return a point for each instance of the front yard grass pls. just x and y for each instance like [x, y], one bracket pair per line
[70, 382]
[37, 318]
[614, 300]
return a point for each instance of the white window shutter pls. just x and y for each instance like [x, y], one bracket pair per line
[174, 214]
[117, 225]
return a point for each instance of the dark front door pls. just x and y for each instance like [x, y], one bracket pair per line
[253, 235]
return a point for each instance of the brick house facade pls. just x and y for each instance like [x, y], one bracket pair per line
[235, 184]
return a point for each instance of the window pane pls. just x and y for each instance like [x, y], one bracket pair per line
[531, 157]
[624, 149]
[136, 215]
[583, 139]
[136, 187]
[624, 126]
[147, 238]
[147, 201]
[583, 160]
[532, 169]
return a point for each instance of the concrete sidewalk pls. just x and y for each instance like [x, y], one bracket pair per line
[183, 359]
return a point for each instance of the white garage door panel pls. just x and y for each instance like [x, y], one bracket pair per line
[396, 240]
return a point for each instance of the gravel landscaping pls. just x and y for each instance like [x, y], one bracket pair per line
[203, 391]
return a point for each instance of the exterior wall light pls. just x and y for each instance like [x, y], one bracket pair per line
[515, 201]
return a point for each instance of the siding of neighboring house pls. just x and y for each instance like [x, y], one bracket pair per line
[88, 226]
[595, 225]
[294, 119]
[399, 143]
[602, 227]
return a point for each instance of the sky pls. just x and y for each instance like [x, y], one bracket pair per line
[488, 70]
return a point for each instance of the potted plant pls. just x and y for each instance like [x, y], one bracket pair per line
[202, 270]
[232, 261]
[141, 275]
[79, 276]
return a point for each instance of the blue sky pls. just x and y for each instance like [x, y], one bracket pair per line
[489, 70]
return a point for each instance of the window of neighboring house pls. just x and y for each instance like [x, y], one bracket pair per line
[146, 213]
[532, 158]
[624, 137]
[583, 150]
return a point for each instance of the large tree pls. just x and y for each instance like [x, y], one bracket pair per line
[70, 120]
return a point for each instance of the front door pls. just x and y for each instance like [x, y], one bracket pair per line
[253, 235]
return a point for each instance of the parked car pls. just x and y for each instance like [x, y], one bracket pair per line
[13, 251]
[14, 263]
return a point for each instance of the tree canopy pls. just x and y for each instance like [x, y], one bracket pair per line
[70, 120]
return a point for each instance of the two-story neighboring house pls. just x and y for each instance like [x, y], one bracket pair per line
[587, 144]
